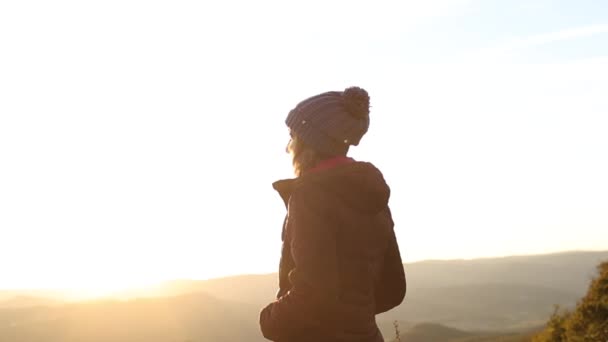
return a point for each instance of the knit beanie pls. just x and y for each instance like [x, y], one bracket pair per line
[330, 122]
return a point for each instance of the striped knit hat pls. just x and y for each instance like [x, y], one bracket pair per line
[330, 122]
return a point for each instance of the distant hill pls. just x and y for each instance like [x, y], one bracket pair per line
[253, 289]
[21, 301]
[432, 332]
[508, 294]
[515, 292]
[495, 293]
[193, 317]
[482, 306]
[9, 295]
[568, 271]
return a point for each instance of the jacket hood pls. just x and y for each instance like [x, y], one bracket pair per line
[359, 184]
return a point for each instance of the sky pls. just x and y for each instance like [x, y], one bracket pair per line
[139, 139]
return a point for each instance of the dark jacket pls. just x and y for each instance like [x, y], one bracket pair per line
[340, 263]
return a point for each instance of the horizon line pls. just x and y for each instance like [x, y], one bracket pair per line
[63, 290]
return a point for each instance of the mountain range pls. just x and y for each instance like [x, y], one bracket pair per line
[463, 299]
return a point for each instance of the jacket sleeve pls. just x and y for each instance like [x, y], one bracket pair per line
[391, 286]
[314, 279]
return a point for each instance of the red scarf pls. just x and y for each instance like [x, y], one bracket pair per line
[330, 163]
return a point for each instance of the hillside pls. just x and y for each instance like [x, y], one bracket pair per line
[7, 296]
[432, 332]
[568, 271]
[518, 292]
[193, 317]
[482, 306]
[588, 321]
[22, 301]
[253, 289]
[498, 294]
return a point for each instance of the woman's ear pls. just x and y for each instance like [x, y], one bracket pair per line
[288, 146]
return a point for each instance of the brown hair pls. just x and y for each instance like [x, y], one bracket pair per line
[303, 157]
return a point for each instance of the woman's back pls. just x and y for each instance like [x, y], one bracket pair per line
[345, 261]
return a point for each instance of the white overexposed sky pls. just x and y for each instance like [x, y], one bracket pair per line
[139, 139]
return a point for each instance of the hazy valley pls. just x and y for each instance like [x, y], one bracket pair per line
[464, 300]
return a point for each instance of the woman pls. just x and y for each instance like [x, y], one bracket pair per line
[340, 262]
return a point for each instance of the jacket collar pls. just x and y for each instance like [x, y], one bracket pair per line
[286, 186]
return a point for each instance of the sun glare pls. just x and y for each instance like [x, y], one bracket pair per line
[97, 289]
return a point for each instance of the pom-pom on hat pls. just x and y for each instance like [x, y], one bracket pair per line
[330, 122]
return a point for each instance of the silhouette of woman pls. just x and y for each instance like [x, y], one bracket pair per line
[340, 263]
